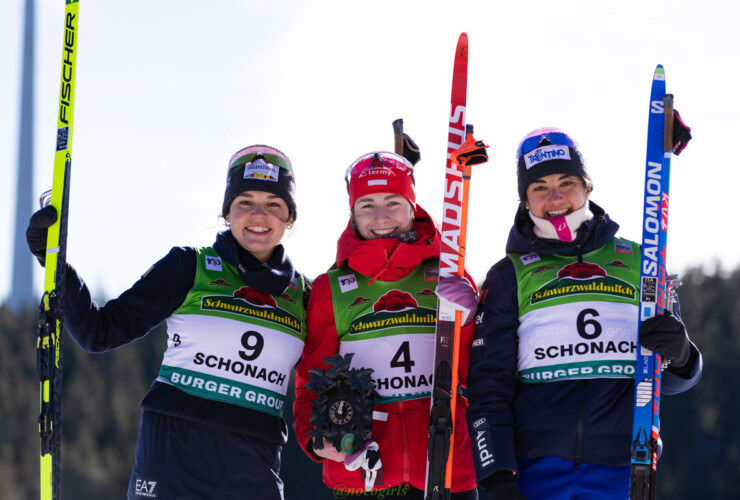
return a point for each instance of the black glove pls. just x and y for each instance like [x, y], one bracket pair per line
[666, 334]
[411, 150]
[503, 486]
[405, 145]
[38, 228]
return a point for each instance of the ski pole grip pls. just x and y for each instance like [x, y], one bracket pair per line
[45, 199]
[398, 136]
[668, 128]
[471, 152]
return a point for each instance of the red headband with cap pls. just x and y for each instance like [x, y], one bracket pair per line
[380, 172]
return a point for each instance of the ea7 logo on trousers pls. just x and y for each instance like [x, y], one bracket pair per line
[146, 489]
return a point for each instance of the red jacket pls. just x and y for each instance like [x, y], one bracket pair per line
[403, 438]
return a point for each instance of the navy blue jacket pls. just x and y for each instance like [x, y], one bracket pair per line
[154, 297]
[583, 421]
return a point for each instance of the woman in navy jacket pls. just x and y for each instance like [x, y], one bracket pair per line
[551, 378]
[235, 312]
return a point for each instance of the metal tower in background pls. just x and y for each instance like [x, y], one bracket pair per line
[21, 291]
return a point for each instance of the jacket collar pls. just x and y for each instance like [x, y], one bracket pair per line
[593, 234]
[272, 277]
[389, 259]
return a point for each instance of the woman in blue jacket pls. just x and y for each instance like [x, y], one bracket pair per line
[212, 422]
[551, 380]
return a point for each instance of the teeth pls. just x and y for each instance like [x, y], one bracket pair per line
[383, 232]
[557, 212]
[258, 229]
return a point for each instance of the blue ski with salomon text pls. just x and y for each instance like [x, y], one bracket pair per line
[653, 281]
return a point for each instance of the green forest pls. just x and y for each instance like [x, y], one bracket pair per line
[700, 431]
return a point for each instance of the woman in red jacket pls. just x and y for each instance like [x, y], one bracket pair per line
[386, 269]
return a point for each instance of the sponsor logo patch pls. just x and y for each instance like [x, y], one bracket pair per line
[580, 278]
[484, 446]
[395, 309]
[221, 282]
[546, 153]
[649, 289]
[619, 264]
[262, 171]
[431, 274]
[145, 489]
[347, 282]
[358, 302]
[621, 246]
[541, 270]
[249, 304]
[213, 263]
[529, 258]
[478, 423]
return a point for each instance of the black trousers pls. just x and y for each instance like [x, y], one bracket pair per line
[180, 459]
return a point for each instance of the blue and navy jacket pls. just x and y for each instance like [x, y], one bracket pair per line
[583, 421]
[154, 297]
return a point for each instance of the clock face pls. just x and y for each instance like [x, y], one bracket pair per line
[341, 412]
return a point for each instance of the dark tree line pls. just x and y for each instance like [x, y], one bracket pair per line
[701, 457]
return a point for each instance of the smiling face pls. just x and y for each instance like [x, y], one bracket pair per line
[556, 194]
[380, 214]
[258, 221]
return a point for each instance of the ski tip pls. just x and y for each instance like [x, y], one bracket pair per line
[659, 73]
[462, 46]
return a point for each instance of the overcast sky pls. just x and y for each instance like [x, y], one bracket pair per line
[168, 91]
